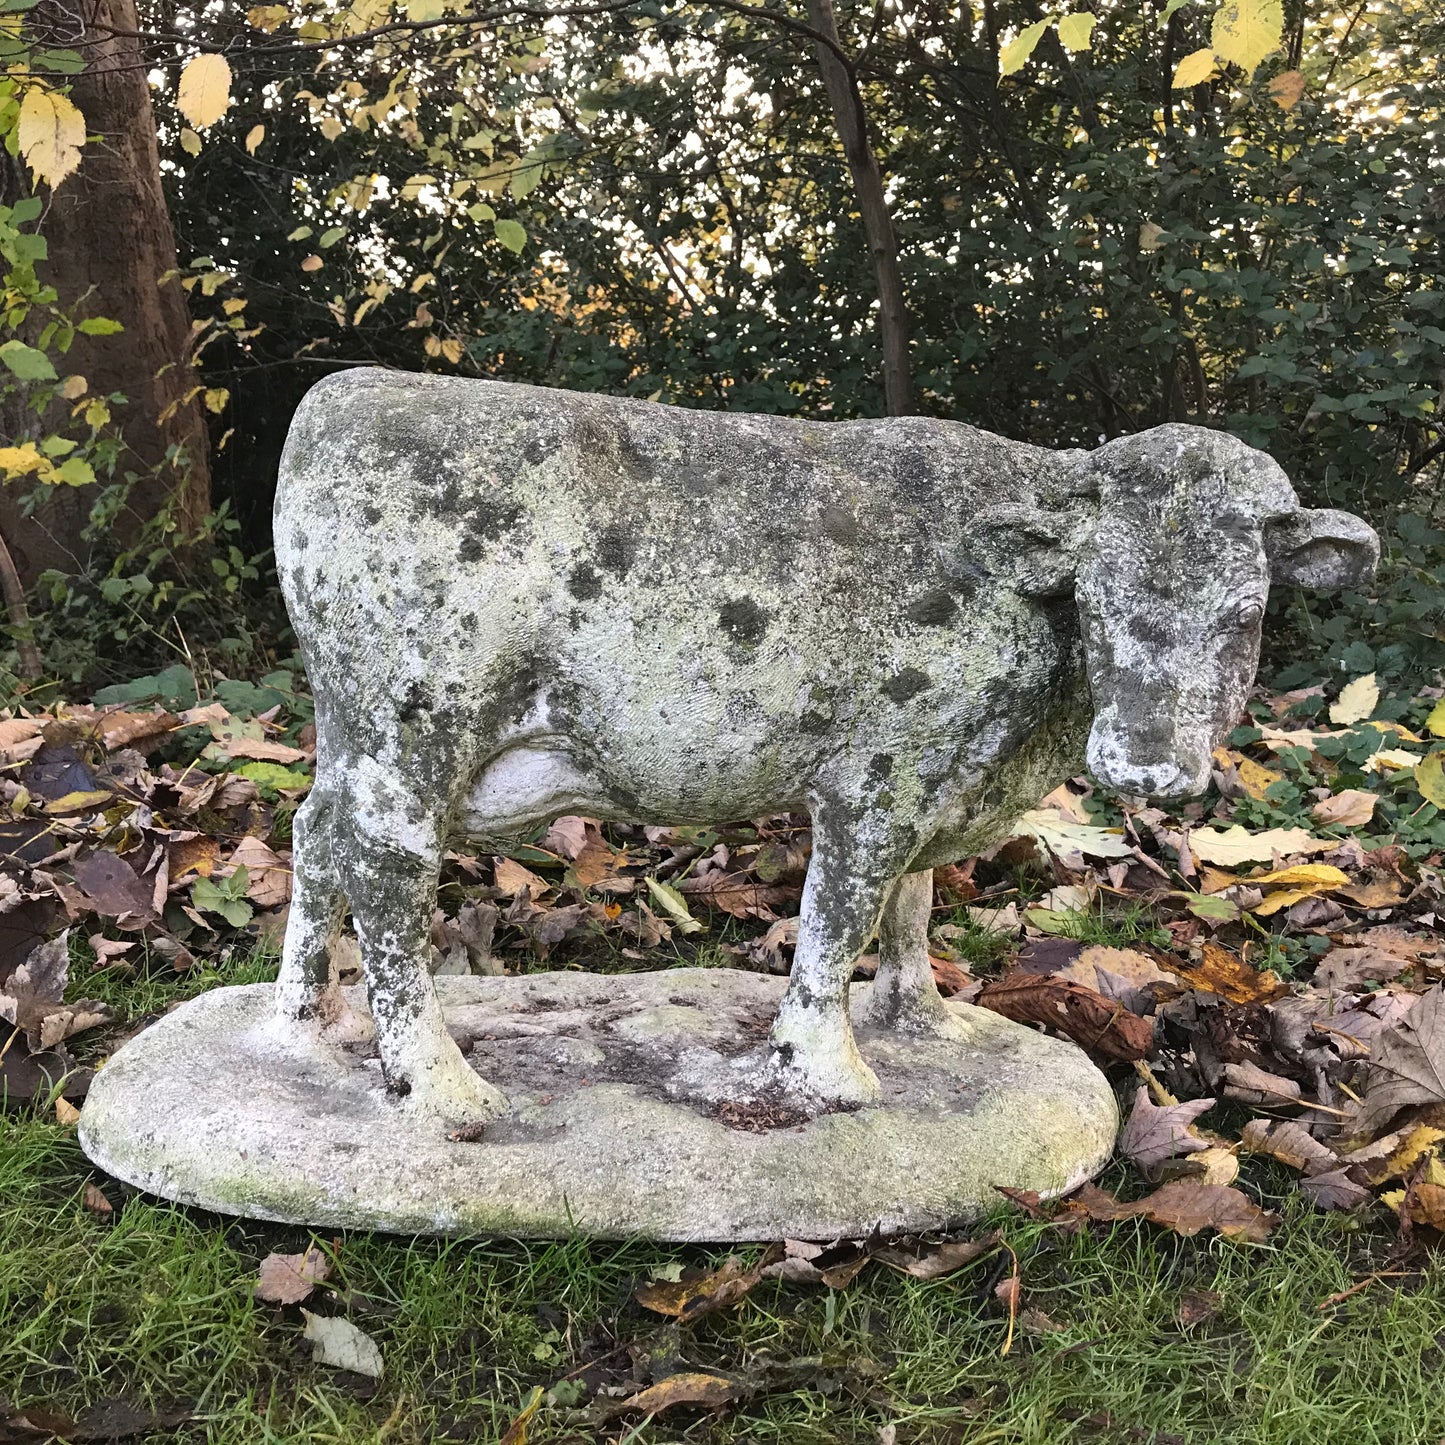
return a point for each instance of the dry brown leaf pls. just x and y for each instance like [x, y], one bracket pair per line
[1252, 1085]
[1349, 808]
[263, 750]
[833, 1266]
[1185, 1206]
[268, 874]
[1407, 1065]
[1155, 1133]
[112, 887]
[97, 1203]
[739, 895]
[131, 729]
[1079, 1013]
[287, 1279]
[1343, 970]
[938, 1260]
[1292, 1144]
[1334, 1190]
[512, 878]
[1198, 1305]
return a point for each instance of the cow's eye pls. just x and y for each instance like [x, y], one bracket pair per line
[1249, 614]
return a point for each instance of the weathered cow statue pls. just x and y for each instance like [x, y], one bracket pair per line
[517, 603]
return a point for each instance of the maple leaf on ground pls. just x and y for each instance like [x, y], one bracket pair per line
[32, 1000]
[287, 1279]
[1334, 1190]
[1155, 1133]
[1407, 1065]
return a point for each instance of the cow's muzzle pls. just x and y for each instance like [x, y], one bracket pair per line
[1168, 780]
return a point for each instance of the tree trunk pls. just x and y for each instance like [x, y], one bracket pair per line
[110, 240]
[851, 122]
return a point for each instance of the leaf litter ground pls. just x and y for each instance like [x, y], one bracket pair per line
[1260, 973]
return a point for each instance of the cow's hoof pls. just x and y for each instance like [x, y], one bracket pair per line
[819, 1074]
[914, 1019]
[449, 1090]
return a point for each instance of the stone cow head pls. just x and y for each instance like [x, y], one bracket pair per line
[1192, 527]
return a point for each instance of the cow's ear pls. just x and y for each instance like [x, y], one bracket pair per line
[1321, 548]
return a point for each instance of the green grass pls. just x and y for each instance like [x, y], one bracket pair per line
[157, 1306]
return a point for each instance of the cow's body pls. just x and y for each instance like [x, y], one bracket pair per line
[516, 603]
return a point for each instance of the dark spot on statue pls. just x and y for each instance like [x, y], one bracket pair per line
[417, 702]
[993, 797]
[839, 524]
[784, 1053]
[908, 683]
[814, 723]
[743, 620]
[584, 583]
[469, 621]
[880, 766]
[371, 513]
[933, 609]
[537, 450]
[616, 550]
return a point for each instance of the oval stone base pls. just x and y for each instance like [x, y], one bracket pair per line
[630, 1115]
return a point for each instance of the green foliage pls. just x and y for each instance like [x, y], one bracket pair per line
[224, 896]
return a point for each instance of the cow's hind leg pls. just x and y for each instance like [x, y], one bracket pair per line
[306, 988]
[904, 995]
[814, 1055]
[388, 851]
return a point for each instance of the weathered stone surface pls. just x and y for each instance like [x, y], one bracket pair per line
[630, 1112]
[515, 603]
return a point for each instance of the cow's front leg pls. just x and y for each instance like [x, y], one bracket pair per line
[904, 995]
[814, 1055]
[389, 857]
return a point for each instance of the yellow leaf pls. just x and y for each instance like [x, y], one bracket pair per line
[1436, 721]
[73, 387]
[452, 350]
[1075, 30]
[233, 305]
[331, 127]
[205, 90]
[1286, 89]
[191, 144]
[50, 134]
[1430, 779]
[312, 263]
[216, 399]
[1194, 69]
[424, 10]
[1150, 236]
[1357, 700]
[1285, 898]
[254, 137]
[1305, 875]
[1013, 55]
[1245, 31]
[21, 460]
[66, 1113]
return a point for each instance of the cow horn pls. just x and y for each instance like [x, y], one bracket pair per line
[1319, 547]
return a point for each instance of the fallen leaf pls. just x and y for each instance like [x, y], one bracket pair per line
[1407, 1065]
[268, 875]
[112, 887]
[1079, 1013]
[1221, 972]
[1430, 779]
[511, 878]
[1229, 847]
[833, 1266]
[287, 1279]
[689, 1388]
[32, 999]
[1062, 836]
[1155, 1133]
[97, 1203]
[1349, 808]
[66, 1114]
[1334, 1190]
[691, 1297]
[1303, 875]
[1344, 970]
[1290, 1143]
[340, 1344]
[739, 895]
[1198, 1305]
[1357, 700]
[671, 902]
[1252, 1085]
[516, 1432]
[937, 1260]
[1185, 1206]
